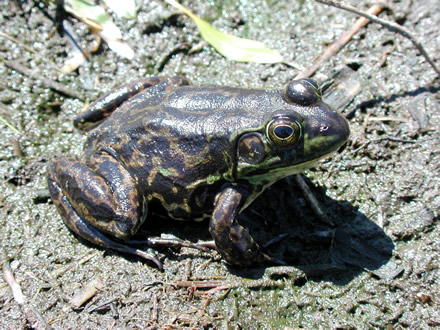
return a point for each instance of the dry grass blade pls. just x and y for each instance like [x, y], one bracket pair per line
[4, 121]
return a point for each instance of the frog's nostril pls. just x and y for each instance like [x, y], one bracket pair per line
[323, 128]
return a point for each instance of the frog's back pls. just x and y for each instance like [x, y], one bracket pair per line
[188, 113]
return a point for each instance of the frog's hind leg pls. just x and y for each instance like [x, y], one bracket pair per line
[106, 104]
[95, 203]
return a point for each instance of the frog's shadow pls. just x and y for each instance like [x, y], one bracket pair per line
[324, 252]
[336, 253]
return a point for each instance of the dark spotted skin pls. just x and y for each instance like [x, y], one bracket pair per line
[189, 153]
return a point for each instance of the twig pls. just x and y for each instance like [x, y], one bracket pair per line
[46, 82]
[338, 44]
[384, 56]
[34, 318]
[29, 49]
[100, 306]
[387, 118]
[88, 291]
[385, 138]
[391, 26]
[155, 310]
[213, 290]
[4, 121]
[199, 284]
[60, 271]
[275, 240]
[311, 199]
[213, 286]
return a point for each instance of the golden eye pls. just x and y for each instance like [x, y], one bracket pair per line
[283, 132]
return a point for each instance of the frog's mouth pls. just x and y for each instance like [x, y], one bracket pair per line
[297, 160]
[263, 176]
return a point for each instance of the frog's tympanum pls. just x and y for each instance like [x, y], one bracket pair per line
[189, 153]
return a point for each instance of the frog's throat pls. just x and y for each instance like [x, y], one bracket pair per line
[275, 174]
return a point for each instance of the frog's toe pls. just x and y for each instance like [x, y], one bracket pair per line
[93, 235]
[90, 233]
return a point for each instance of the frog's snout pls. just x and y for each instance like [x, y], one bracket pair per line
[335, 127]
[327, 131]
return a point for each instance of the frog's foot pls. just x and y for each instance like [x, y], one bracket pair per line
[168, 242]
[91, 234]
[232, 240]
[95, 206]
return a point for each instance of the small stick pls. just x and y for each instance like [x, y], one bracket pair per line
[34, 318]
[4, 121]
[199, 284]
[87, 292]
[171, 242]
[338, 44]
[311, 199]
[384, 56]
[391, 26]
[29, 49]
[275, 240]
[213, 290]
[60, 271]
[46, 82]
[154, 312]
[108, 302]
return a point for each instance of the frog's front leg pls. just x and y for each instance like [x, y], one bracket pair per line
[98, 203]
[106, 104]
[232, 240]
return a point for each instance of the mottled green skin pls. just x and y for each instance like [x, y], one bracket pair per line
[175, 149]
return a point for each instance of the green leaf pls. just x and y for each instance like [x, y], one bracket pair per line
[232, 47]
[126, 8]
[110, 32]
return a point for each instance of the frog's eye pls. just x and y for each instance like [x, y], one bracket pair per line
[303, 92]
[283, 132]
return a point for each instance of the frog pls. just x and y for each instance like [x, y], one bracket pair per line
[162, 146]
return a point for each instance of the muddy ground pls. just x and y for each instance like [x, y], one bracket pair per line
[377, 267]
